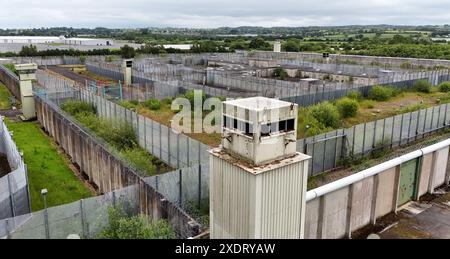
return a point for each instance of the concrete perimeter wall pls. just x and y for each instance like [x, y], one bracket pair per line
[335, 212]
[105, 170]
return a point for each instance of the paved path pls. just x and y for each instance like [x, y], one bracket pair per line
[425, 220]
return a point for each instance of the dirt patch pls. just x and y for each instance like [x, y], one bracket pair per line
[381, 224]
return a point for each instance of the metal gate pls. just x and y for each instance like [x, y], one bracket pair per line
[408, 181]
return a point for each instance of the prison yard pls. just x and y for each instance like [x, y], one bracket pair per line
[48, 167]
[99, 140]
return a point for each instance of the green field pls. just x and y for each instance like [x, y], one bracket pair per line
[46, 167]
[4, 97]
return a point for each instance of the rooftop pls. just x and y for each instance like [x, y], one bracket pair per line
[258, 103]
[253, 169]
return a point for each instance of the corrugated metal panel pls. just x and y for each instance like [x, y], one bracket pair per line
[268, 205]
[282, 199]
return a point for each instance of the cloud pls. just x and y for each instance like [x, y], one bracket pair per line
[214, 13]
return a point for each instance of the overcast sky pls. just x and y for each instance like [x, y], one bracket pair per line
[215, 13]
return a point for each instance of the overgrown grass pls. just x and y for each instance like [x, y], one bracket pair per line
[11, 68]
[321, 118]
[164, 116]
[4, 97]
[47, 168]
[119, 134]
[123, 226]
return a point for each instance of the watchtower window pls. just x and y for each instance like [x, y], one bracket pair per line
[290, 125]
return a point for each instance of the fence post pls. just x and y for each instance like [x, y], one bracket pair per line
[11, 197]
[145, 134]
[364, 140]
[445, 117]
[432, 121]
[47, 228]
[153, 148]
[168, 145]
[178, 150]
[160, 141]
[374, 135]
[324, 153]
[28, 187]
[8, 234]
[188, 152]
[199, 186]
[82, 219]
[114, 198]
[353, 141]
[180, 177]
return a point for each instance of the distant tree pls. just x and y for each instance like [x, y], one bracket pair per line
[291, 46]
[29, 51]
[258, 43]
[127, 52]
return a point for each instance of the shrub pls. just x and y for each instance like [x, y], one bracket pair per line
[422, 86]
[280, 73]
[110, 58]
[354, 95]
[74, 107]
[11, 68]
[308, 125]
[381, 93]
[121, 226]
[413, 108]
[347, 107]
[190, 95]
[140, 159]
[89, 120]
[326, 113]
[444, 87]
[128, 104]
[119, 134]
[153, 104]
[167, 101]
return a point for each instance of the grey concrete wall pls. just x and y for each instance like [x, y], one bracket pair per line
[339, 213]
[362, 60]
[106, 171]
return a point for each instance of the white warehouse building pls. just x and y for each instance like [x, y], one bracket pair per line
[50, 40]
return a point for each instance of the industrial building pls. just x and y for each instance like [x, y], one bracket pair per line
[54, 40]
[178, 46]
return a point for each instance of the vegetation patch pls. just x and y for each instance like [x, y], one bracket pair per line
[5, 96]
[347, 107]
[422, 86]
[381, 93]
[47, 168]
[123, 226]
[119, 134]
[444, 87]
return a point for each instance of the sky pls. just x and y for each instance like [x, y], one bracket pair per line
[214, 13]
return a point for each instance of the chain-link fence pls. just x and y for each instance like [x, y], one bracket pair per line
[329, 150]
[187, 187]
[85, 218]
[385, 62]
[14, 191]
[320, 94]
[105, 168]
[11, 81]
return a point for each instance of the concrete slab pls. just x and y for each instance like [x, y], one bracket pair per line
[422, 221]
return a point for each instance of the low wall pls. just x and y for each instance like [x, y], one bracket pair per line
[337, 209]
